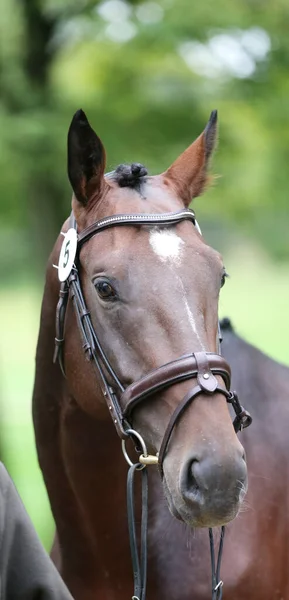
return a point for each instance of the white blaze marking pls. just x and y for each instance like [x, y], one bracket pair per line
[166, 244]
[191, 316]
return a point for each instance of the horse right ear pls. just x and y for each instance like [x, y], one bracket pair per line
[86, 159]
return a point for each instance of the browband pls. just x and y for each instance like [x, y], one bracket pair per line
[135, 219]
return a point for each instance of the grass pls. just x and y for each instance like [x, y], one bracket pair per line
[21, 307]
[256, 298]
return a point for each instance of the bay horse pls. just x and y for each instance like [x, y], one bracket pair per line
[152, 291]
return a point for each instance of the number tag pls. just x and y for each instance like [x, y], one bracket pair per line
[67, 254]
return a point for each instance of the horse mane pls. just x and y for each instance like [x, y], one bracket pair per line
[129, 175]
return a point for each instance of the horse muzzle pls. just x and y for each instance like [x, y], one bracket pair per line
[210, 488]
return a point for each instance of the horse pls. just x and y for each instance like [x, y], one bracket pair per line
[151, 289]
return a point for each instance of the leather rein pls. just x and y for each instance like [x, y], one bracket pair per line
[203, 367]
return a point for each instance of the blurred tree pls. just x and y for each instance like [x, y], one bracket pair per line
[147, 74]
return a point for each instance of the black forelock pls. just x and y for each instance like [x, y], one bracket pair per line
[130, 175]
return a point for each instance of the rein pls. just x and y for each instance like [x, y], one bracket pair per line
[203, 367]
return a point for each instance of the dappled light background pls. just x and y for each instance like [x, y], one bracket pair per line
[147, 75]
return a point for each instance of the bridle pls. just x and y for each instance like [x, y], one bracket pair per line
[204, 367]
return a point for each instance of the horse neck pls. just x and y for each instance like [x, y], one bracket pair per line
[97, 472]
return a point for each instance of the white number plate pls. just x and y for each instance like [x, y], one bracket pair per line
[67, 254]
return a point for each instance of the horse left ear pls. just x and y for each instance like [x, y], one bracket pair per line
[188, 173]
[86, 159]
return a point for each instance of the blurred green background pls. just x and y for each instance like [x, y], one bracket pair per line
[147, 74]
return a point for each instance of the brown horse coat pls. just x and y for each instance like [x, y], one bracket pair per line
[76, 450]
[166, 307]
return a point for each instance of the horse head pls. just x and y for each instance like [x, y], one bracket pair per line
[152, 292]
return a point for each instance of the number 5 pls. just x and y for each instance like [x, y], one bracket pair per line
[66, 255]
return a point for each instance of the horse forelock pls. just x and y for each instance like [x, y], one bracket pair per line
[129, 175]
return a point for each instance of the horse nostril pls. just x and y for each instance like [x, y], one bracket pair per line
[206, 481]
[190, 484]
[191, 476]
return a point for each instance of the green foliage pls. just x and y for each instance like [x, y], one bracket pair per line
[124, 64]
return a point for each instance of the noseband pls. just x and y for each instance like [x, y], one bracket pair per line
[203, 367]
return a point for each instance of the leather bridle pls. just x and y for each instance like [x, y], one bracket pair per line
[204, 367]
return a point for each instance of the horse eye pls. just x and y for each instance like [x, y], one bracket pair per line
[105, 290]
[224, 276]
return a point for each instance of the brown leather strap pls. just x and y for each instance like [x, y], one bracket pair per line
[206, 380]
[186, 367]
[191, 395]
[59, 325]
[94, 351]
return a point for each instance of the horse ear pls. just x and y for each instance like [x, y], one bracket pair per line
[189, 172]
[86, 159]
